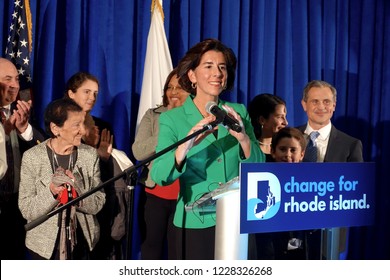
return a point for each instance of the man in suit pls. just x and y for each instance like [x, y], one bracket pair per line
[3, 155]
[332, 145]
[19, 136]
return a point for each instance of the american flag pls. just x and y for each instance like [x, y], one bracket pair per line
[19, 42]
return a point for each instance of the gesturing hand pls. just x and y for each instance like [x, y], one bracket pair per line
[105, 146]
[22, 114]
[183, 149]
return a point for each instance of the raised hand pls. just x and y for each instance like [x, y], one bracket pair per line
[22, 115]
[105, 146]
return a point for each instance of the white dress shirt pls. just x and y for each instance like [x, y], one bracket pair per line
[321, 141]
[3, 155]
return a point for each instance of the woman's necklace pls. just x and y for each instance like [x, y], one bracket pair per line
[56, 163]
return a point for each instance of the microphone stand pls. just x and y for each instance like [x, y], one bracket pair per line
[131, 180]
[126, 172]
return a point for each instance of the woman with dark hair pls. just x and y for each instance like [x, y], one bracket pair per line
[51, 172]
[160, 202]
[268, 115]
[83, 88]
[211, 158]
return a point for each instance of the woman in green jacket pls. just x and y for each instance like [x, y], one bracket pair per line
[213, 157]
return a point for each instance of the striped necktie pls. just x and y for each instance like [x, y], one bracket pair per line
[311, 149]
[3, 115]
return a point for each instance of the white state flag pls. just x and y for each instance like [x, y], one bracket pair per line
[158, 62]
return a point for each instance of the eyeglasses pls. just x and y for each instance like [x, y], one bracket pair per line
[172, 88]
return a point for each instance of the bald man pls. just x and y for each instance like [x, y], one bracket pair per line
[20, 135]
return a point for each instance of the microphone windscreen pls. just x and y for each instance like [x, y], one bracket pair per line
[210, 105]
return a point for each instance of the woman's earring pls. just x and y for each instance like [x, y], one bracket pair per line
[193, 85]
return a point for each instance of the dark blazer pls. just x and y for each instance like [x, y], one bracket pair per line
[341, 147]
[23, 145]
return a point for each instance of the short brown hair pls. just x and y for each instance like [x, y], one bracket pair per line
[192, 59]
[75, 82]
[57, 112]
[288, 132]
[318, 84]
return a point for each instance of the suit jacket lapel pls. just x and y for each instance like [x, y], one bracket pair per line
[194, 116]
[331, 149]
[192, 113]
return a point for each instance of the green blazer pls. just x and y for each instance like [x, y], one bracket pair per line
[211, 162]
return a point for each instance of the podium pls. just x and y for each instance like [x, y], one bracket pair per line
[325, 202]
[225, 201]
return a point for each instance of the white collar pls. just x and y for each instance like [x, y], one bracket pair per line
[324, 131]
[7, 110]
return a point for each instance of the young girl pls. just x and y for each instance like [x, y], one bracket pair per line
[288, 145]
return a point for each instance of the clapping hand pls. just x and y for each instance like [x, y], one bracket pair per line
[61, 178]
[22, 115]
[19, 118]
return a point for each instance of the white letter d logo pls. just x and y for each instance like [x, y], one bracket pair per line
[263, 195]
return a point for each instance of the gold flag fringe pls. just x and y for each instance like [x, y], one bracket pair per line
[157, 4]
[29, 24]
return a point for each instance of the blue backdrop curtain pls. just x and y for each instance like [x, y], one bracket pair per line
[280, 46]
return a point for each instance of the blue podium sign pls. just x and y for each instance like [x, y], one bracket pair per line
[288, 196]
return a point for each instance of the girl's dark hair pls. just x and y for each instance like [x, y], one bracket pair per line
[262, 105]
[288, 132]
[57, 112]
[165, 97]
[192, 59]
[75, 82]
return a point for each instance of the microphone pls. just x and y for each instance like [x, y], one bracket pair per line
[222, 116]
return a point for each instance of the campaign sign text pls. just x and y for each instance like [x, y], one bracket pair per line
[288, 196]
